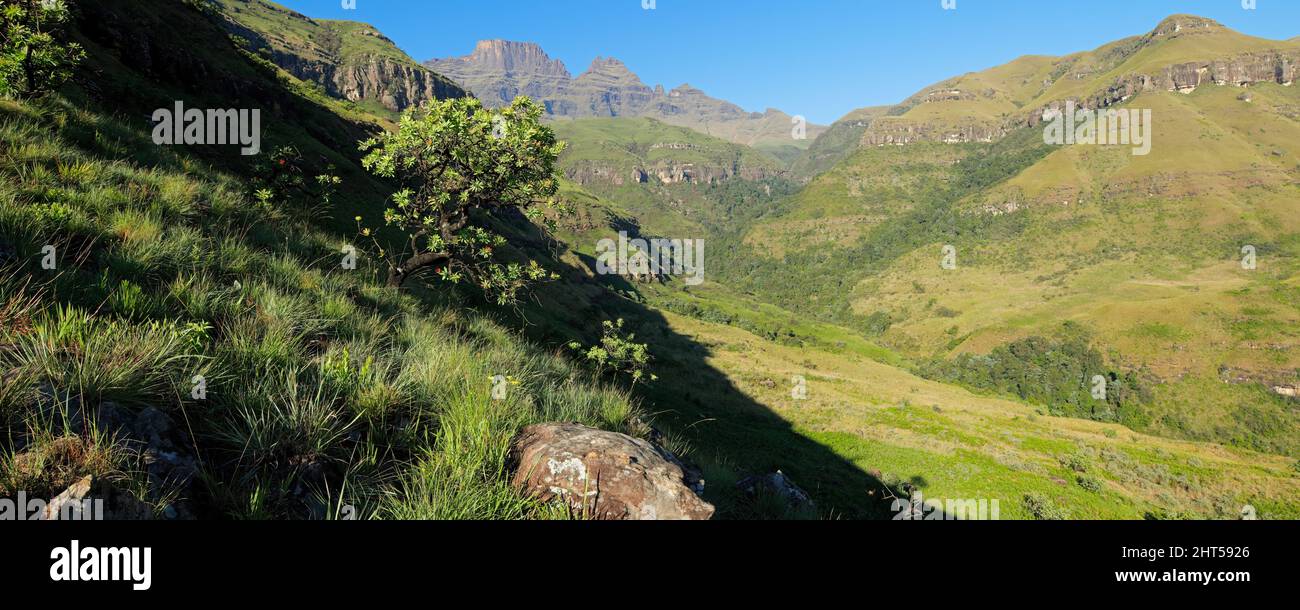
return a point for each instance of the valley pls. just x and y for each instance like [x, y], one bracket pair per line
[924, 299]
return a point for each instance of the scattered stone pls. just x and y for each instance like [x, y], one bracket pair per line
[605, 475]
[93, 499]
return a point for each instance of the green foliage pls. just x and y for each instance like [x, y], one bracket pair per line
[1091, 484]
[930, 215]
[1056, 373]
[282, 179]
[1043, 508]
[618, 352]
[323, 389]
[458, 164]
[34, 54]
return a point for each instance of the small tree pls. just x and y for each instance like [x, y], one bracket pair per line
[618, 353]
[34, 56]
[458, 165]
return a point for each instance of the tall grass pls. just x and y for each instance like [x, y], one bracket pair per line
[326, 394]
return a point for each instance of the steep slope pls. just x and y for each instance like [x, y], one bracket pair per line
[1144, 250]
[835, 144]
[350, 61]
[1180, 54]
[673, 180]
[324, 395]
[499, 70]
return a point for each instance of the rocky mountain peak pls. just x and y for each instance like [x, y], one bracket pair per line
[498, 71]
[609, 66]
[1182, 24]
[511, 56]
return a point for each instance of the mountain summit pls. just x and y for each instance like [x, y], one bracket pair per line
[521, 57]
[497, 71]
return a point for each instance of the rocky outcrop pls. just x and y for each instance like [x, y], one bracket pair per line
[899, 131]
[778, 485]
[164, 448]
[396, 85]
[392, 80]
[94, 499]
[588, 174]
[1278, 67]
[497, 71]
[605, 475]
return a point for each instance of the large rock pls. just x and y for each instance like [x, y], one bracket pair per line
[605, 475]
[777, 484]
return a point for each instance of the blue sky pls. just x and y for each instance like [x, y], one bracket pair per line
[817, 58]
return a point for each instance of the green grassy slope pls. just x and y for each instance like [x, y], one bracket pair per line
[327, 396]
[1144, 251]
[318, 50]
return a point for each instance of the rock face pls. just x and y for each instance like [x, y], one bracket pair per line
[395, 85]
[1238, 71]
[965, 123]
[898, 133]
[378, 72]
[500, 70]
[605, 475]
[588, 174]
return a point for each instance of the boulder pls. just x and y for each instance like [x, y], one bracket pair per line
[780, 486]
[605, 475]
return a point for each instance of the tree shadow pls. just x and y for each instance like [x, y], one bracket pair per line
[729, 434]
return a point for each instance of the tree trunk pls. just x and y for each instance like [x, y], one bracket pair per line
[398, 275]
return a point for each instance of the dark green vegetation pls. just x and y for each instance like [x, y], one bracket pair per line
[35, 56]
[929, 215]
[1059, 374]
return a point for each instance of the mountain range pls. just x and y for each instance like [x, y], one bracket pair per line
[918, 297]
[499, 70]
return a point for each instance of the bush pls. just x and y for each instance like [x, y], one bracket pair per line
[34, 54]
[1043, 508]
[1089, 483]
[457, 163]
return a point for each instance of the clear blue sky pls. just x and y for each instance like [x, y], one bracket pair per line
[818, 58]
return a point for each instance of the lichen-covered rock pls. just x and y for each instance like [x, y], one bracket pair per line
[605, 475]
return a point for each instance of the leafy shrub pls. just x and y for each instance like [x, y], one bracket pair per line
[618, 353]
[1043, 508]
[1088, 483]
[458, 162]
[34, 54]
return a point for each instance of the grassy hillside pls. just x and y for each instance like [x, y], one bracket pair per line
[327, 396]
[346, 59]
[1144, 251]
